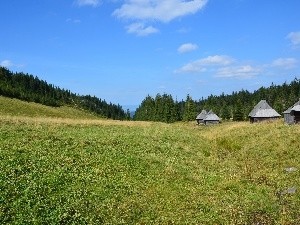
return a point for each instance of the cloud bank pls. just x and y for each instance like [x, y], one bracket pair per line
[147, 11]
[201, 65]
[6, 63]
[93, 3]
[160, 10]
[285, 63]
[223, 66]
[244, 72]
[189, 47]
[294, 37]
[140, 29]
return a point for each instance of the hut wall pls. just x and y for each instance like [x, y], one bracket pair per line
[262, 119]
[288, 118]
[297, 117]
[200, 122]
[210, 122]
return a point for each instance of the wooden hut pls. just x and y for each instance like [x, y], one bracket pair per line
[211, 118]
[292, 114]
[200, 118]
[263, 112]
[207, 118]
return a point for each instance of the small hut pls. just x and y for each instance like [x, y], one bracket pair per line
[200, 118]
[292, 114]
[263, 112]
[211, 118]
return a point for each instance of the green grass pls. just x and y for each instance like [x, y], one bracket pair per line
[15, 107]
[87, 171]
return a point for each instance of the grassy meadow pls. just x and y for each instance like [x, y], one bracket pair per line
[64, 166]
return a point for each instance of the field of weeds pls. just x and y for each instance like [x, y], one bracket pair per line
[88, 171]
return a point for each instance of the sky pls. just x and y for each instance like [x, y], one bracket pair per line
[124, 50]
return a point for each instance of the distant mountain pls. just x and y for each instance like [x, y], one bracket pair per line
[131, 108]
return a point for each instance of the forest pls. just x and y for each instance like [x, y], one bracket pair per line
[235, 106]
[161, 108]
[29, 88]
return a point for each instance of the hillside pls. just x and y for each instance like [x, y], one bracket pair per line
[31, 89]
[16, 107]
[91, 171]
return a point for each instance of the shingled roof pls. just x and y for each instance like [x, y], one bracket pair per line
[211, 117]
[295, 107]
[202, 115]
[263, 110]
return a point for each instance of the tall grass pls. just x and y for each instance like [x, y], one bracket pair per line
[101, 172]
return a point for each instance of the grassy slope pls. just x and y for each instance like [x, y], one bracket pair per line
[15, 107]
[100, 171]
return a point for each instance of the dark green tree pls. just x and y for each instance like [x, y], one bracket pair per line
[238, 114]
[128, 117]
[225, 113]
[189, 109]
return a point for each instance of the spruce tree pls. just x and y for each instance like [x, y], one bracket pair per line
[225, 113]
[189, 109]
[238, 114]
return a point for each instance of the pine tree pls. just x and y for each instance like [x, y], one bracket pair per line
[226, 115]
[128, 115]
[189, 109]
[238, 114]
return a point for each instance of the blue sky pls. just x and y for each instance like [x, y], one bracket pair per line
[123, 50]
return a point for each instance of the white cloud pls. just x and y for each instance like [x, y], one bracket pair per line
[243, 72]
[285, 63]
[162, 10]
[140, 29]
[184, 30]
[142, 11]
[69, 20]
[187, 48]
[217, 60]
[162, 87]
[93, 3]
[201, 64]
[6, 63]
[220, 65]
[294, 37]
[191, 68]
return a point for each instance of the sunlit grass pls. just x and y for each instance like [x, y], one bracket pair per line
[88, 171]
[15, 107]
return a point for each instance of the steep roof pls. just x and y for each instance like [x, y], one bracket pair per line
[211, 116]
[210, 112]
[296, 108]
[291, 108]
[202, 115]
[263, 109]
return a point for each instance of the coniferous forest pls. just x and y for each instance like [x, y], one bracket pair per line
[161, 108]
[234, 106]
[29, 88]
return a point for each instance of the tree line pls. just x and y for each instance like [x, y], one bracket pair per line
[29, 88]
[161, 108]
[236, 106]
